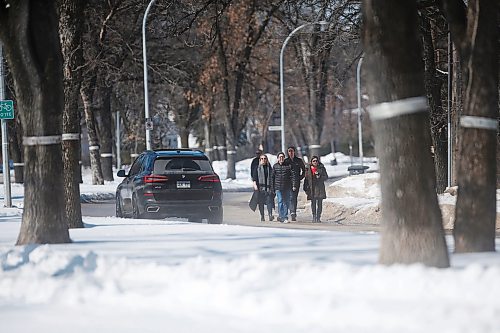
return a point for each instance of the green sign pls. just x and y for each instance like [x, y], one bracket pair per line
[6, 109]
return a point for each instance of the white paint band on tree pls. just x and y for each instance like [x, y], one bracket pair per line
[18, 164]
[314, 146]
[106, 155]
[479, 123]
[41, 140]
[93, 148]
[231, 152]
[70, 136]
[398, 108]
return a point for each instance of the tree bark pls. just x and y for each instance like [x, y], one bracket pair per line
[87, 93]
[106, 135]
[412, 229]
[438, 117]
[475, 32]
[70, 29]
[29, 31]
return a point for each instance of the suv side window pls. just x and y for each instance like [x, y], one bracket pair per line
[136, 166]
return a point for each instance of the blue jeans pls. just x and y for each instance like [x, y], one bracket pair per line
[283, 197]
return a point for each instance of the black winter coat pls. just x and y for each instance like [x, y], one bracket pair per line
[314, 186]
[298, 166]
[284, 177]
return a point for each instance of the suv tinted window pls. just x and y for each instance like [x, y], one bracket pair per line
[184, 164]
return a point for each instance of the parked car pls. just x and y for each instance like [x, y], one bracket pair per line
[170, 183]
[11, 165]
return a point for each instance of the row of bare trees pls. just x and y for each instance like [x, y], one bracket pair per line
[412, 228]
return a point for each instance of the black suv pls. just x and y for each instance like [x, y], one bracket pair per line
[170, 183]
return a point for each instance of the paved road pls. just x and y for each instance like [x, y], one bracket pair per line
[236, 212]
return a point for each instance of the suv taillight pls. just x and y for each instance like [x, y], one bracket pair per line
[209, 178]
[155, 179]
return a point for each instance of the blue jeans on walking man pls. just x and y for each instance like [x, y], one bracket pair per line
[283, 197]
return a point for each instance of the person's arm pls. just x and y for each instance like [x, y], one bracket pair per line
[273, 177]
[295, 179]
[324, 174]
[302, 169]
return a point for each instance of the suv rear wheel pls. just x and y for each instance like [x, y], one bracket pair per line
[135, 209]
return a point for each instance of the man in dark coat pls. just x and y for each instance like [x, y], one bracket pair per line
[299, 169]
[255, 164]
[283, 183]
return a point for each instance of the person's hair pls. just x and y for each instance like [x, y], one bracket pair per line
[281, 153]
[291, 147]
[314, 157]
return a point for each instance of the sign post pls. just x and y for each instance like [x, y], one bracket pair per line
[6, 112]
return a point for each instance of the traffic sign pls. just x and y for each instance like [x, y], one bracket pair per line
[6, 109]
[149, 124]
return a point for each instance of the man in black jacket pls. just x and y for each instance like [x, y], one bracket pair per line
[283, 182]
[299, 169]
[255, 164]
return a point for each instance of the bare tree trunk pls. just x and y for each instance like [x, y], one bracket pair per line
[411, 219]
[438, 117]
[70, 29]
[475, 32]
[87, 91]
[30, 35]
[106, 135]
[184, 135]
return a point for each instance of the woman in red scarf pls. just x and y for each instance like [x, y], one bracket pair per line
[314, 186]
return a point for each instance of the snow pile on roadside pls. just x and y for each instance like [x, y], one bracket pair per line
[356, 199]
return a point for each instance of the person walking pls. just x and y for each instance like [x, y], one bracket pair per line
[284, 182]
[262, 184]
[255, 164]
[299, 169]
[314, 186]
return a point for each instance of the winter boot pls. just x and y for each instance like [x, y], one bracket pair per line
[314, 218]
[294, 217]
[262, 218]
[271, 217]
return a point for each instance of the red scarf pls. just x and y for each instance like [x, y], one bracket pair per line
[314, 169]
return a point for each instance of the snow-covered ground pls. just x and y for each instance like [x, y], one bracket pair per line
[125, 275]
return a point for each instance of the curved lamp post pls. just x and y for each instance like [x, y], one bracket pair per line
[145, 65]
[282, 91]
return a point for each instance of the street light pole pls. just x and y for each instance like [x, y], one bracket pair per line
[282, 90]
[450, 71]
[360, 129]
[145, 65]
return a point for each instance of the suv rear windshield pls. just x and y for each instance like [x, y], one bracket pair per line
[181, 164]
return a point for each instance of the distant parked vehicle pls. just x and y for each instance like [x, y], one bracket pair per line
[11, 166]
[170, 183]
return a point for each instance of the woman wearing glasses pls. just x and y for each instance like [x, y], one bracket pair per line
[314, 186]
[262, 183]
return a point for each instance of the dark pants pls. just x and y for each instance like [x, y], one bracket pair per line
[293, 202]
[317, 207]
[266, 198]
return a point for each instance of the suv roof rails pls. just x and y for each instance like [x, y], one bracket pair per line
[179, 150]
